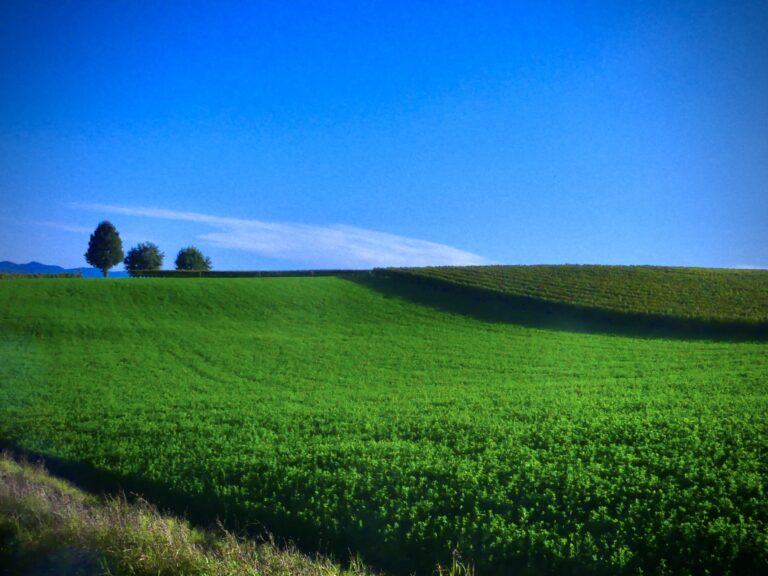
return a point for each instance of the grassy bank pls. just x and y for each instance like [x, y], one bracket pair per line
[49, 526]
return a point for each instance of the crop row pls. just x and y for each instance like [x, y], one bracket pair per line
[700, 293]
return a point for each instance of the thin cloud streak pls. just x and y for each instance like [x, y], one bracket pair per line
[63, 227]
[82, 229]
[331, 246]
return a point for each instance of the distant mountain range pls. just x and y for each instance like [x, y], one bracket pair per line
[7, 267]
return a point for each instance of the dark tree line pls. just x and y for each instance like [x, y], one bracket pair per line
[105, 250]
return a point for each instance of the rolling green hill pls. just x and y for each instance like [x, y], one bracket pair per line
[396, 422]
[695, 293]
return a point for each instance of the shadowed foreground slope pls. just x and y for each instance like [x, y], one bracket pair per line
[47, 526]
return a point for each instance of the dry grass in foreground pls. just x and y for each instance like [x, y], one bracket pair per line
[49, 527]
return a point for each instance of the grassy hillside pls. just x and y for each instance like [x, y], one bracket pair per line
[696, 293]
[339, 412]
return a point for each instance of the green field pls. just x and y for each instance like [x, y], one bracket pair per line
[397, 421]
[695, 293]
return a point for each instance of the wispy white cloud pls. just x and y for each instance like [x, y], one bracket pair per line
[333, 246]
[63, 227]
[81, 229]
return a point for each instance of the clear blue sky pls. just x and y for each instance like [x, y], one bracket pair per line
[291, 134]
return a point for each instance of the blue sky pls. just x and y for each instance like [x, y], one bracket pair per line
[355, 134]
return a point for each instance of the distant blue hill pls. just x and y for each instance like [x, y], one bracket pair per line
[38, 268]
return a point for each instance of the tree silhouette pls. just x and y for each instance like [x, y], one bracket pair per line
[144, 256]
[105, 249]
[191, 258]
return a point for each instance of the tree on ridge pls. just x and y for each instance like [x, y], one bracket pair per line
[143, 256]
[191, 258]
[105, 249]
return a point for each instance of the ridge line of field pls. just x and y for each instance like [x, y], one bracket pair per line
[248, 273]
[496, 306]
[700, 293]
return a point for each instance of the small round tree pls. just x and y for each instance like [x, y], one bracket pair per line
[105, 249]
[144, 256]
[192, 259]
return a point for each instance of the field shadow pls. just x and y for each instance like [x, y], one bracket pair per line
[209, 510]
[383, 554]
[205, 509]
[394, 555]
[490, 306]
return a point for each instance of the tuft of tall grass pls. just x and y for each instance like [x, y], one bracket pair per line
[457, 567]
[48, 525]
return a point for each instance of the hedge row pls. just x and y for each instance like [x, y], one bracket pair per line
[12, 275]
[244, 273]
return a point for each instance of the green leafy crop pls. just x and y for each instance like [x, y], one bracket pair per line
[340, 414]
